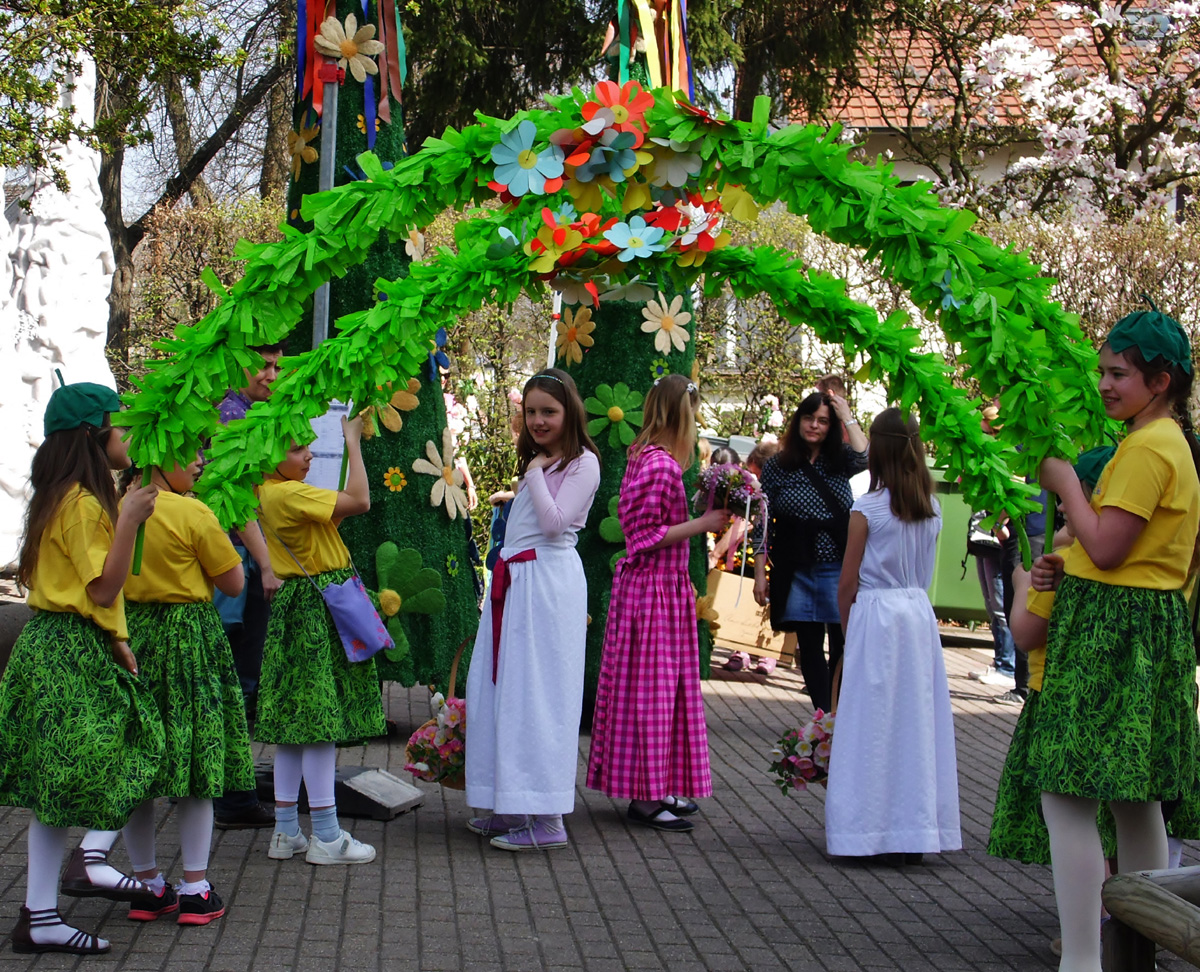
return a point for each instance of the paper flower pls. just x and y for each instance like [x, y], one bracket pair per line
[706, 612]
[575, 290]
[405, 587]
[673, 163]
[635, 292]
[520, 169]
[405, 400]
[361, 122]
[552, 241]
[448, 485]
[452, 564]
[659, 368]
[395, 480]
[635, 239]
[352, 47]
[300, 150]
[613, 156]
[575, 334]
[666, 323]
[616, 405]
[627, 104]
[437, 357]
[414, 246]
[739, 204]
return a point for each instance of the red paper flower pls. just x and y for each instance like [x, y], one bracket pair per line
[628, 104]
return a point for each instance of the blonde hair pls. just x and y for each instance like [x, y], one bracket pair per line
[669, 419]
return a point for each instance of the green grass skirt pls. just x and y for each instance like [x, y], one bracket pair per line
[1117, 714]
[184, 657]
[81, 740]
[309, 692]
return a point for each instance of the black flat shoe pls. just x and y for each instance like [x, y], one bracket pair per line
[679, 806]
[252, 817]
[80, 943]
[77, 884]
[656, 820]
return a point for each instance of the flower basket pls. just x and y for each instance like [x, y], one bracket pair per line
[436, 751]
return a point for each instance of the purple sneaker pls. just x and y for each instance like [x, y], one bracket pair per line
[496, 824]
[532, 837]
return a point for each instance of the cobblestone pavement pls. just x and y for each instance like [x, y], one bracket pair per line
[751, 889]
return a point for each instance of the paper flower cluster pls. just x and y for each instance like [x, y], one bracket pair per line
[437, 751]
[801, 757]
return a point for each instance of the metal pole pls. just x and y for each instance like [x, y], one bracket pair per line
[329, 106]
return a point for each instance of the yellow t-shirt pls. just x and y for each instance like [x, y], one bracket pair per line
[1039, 603]
[1151, 475]
[185, 549]
[302, 515]
[71, 555]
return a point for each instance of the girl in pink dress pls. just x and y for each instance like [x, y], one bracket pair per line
[649, 741]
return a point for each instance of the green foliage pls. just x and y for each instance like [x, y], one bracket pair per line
[42, 41]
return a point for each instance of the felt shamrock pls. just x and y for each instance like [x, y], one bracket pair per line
[610, 531]
[405, 587]
[615, 404]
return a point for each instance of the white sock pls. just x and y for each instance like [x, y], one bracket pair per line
[195, 832]
[551, 821]
[156, 883]
[193, 887]
[102, 874]
[1078, 867]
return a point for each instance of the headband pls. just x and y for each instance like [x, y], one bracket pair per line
[551, 377]
[691, 385]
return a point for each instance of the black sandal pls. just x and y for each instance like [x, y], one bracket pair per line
[77, 884]
[675, 825]
[80, 943]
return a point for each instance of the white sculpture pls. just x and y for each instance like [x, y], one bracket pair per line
[56, 268]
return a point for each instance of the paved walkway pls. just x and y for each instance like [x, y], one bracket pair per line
[751, 889]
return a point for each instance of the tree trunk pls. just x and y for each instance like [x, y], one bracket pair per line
[110, 101]
[276, 165]
[181, 132]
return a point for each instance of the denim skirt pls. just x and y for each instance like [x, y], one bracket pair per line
[813, 594]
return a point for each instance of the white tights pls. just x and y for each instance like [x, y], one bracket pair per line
[315, 764]
[195, 818]
[47, 848]
[1078, 864]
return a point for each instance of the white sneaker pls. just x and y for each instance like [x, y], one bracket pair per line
[344, 850]
[989, 676]
[284, 847]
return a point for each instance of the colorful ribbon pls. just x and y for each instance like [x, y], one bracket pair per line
[393, 70]
[368, 94]
[501, 582]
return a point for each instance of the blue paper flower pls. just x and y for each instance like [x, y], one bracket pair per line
[437, 357]
[519, 168]
[948, 298]
[635, 239]
[611, 157]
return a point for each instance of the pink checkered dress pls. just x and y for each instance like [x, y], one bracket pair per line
[649, 739]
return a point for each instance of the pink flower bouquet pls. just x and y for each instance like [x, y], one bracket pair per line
[801, 757]
[436, 752]
[730, 487]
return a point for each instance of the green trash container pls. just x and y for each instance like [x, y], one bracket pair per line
[955, 596]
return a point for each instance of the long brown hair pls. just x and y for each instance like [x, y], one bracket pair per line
[794, 450]
[68, 458]
[669, 419]
[575, 439]
[897, 460]
[1178, 393]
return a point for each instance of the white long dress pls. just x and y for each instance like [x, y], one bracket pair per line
[523, 730]
[893, 775]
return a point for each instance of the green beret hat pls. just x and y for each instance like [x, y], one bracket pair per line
[1153, 333]
[1090, 465]
[83, 403]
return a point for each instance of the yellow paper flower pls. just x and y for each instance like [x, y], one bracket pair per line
[666, 323]
[300, 150]
[704, 611]
[351, 46]
[739, 204]
[448, 484]
[361, 122]
[575, 334]
[404, 400]
[395, 480]
[389, 602]
[544, 261]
